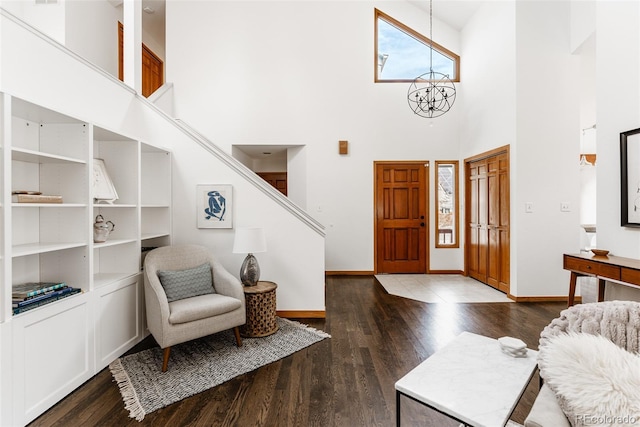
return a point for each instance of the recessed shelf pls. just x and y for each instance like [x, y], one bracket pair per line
[100, 206]
[103, 279]
[113, 242]
[39, 248]
[148, 236]
[32, 156]
[48, 205]
[52, 303]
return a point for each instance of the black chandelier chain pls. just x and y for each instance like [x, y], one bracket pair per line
[431, 94]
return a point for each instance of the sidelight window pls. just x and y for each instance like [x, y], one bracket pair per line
[447, 203]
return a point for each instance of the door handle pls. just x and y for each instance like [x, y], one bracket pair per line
[422, 224]
[421, 216]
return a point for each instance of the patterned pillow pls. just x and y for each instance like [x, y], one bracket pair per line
[181, 284]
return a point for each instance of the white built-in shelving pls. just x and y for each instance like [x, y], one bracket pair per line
[47, 151]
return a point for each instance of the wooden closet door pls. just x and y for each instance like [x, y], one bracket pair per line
[503, 230]
[477, 246]
[487, 246]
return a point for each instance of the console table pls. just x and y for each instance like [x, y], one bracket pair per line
[625, 271]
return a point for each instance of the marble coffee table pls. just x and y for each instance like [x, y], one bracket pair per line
[471, 380]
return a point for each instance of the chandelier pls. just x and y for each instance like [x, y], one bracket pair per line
[431, 94]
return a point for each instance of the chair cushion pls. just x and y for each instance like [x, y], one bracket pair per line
[201, 307]
[180, 284]
[546, 411]
[594, 380]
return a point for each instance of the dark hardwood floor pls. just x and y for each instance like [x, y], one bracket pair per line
[347, 380]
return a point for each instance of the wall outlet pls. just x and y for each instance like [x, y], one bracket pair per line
[565, 207]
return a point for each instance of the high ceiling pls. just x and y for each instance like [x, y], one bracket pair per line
[455, 13]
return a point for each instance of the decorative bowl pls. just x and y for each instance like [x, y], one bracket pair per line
[600, 252]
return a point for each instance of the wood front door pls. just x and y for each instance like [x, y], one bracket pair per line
[401, 195]
[487, 212]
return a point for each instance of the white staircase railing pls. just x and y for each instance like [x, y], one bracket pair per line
[200, 139]
[247, 173]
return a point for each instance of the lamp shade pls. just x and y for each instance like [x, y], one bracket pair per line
[249, 240]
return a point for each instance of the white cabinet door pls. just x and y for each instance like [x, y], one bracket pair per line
[52, 355]
[118, 319]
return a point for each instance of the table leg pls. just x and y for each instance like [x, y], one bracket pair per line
[397, 408]
[601, 284]
[572, 288]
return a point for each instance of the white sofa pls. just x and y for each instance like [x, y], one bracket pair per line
[619, 321]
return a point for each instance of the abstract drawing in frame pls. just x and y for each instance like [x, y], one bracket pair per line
[214, 205]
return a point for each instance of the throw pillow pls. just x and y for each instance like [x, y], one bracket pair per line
[596, 382]
[181, 284]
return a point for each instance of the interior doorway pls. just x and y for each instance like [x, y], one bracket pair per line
[401, 217]
[152, 66]
[487, 233]
[278, 180]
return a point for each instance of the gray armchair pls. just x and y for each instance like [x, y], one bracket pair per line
[179, 320]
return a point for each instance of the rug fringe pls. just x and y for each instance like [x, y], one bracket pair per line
[129, 395]
[307, 327]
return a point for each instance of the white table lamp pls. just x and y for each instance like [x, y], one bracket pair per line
[249, 240]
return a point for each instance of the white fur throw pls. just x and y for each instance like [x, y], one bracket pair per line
[596, 382]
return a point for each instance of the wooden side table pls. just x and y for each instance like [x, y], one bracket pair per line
[260, 303]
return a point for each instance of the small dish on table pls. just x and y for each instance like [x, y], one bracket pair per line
[600, 252]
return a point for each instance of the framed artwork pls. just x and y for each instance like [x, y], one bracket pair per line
[103, 189]
[214, 205]
[630, 178]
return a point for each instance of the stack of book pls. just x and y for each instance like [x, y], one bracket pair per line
[27, 296]
[21, 196]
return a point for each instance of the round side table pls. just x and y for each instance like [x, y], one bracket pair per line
[260, 301]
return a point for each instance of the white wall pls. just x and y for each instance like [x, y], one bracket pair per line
[547, 149]
[519, 91]
[275, 163]
[297, 167]
[302, 73]
[618, 110]
[583, 22]
[92, 32]
[48, 18]
[295, 257]
[489, 79]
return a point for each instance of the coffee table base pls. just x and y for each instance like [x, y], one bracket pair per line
[399, 394]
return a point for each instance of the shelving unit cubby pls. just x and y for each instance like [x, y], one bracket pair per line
[49, 152]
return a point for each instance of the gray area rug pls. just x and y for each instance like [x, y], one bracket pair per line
[200, 364]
